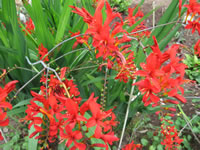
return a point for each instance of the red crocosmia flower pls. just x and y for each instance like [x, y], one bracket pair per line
[43, 51]
[73, 112]
[7, 89]
[170, 137]
[72, 136]
[87, 17]
[108, 138]
[132, 146]
[193, 7]
[103, 33]
[148, 90]
[132, 19]
[29, 26]
[80, 40]
[163, 74]
[97, 116]
[85, 106]
[127, 69]
[197, 48]
[4, 121]
[38, 129]
[194, 25]
[110, 123]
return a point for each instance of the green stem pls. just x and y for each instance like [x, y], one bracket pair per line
[182, 112]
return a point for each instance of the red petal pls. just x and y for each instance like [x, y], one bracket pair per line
[5, 105]
[4, 123]
[180, 98]
[10, 86]
[71, 107]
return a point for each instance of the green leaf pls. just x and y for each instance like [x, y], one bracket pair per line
[144, 142]
[17, 110]
[22, 103]
[64, 20]
[32, 142]
[97, 83]
[160, 147]
[165, 41]
[4, 38]
[165, 17]
[8, 50]
[42, 33]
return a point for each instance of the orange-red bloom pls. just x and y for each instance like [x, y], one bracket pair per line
[29, 26]
[4, 121]
[43, 51]
[132, 146]
[194, 25]
[197, 48]
[160, 78]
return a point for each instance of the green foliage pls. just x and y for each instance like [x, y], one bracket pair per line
[193, 70]
[121, 5]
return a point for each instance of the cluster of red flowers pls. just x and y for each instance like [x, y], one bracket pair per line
[132, 19]
[170, 136]
[193, 8]
[29, 26]
[132, 146]
[43, 52]
[106, 40]
[4, 121]
[163, 74]
[56, 115]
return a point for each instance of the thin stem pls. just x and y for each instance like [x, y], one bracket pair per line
[18, 91]
[131, 99]
[84, 68]
[182, 112]
[186, 125]
[3, 136]
[59, 44]
[150, 28]
[67, 54]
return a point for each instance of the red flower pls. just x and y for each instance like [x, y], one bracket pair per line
[197, 48]
[29, 26]
[4, 121]
[87, 17]
[161, 79]
[43, 51]
[108, 138]
[132, 146]
[170, 137]
[80, 40]
[193, 7]
[72, 136]
[97, 116]
[127, 69]
[85, 106]
[194, 25]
